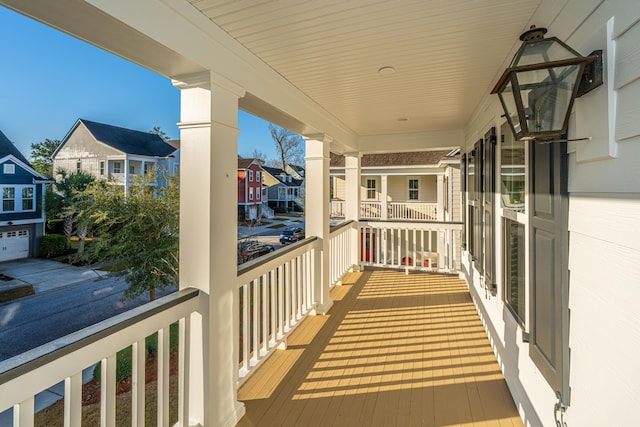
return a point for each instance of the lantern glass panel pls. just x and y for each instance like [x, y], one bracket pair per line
[546, 96]
[509, 105]
[546, 50]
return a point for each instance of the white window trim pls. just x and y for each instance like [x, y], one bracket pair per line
[409, 190]
[367, 189]
[17, 199]
[258, 176]
[250, 193]
[250, 175]
[102, 167]
[257, 193]
[9, 169]
[119, 164]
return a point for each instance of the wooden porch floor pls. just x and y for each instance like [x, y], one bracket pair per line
[394, 350]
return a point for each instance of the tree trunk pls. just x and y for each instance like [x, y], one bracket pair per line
[152, 294]
[82, 235]
[68, 229]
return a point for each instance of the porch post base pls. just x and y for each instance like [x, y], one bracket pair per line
[234, 417]
[322, 309]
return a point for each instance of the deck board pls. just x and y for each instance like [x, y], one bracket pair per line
[394, 350]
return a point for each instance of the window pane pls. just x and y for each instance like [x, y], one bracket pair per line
[514, 292]
[512, 170]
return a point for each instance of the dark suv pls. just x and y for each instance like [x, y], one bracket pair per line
[291, 235]
[252, 249]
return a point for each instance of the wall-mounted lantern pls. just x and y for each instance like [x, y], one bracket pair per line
[538, 89]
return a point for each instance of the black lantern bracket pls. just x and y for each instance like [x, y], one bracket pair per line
[592, 76]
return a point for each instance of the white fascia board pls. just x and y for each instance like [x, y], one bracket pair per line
[408, 142]
[14, 222]
[202, 42]
[24, 166]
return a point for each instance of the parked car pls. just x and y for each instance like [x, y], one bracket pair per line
[250, 250]
[291, 235]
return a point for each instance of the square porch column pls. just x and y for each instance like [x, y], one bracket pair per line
[384, 196]
[208, 244]
[317, 214]
[352, 201]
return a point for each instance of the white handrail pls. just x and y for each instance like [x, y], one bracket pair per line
[24, 376]
[340, 249]
[275, 293]
[421, 211]
[370, 210]
[433, 246]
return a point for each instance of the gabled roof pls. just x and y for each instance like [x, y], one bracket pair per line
[277, 174]
[128, 141]
[418, 158]
[7, 147]
[245, 163]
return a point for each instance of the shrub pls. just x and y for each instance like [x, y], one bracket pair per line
[52, 245]
[55, 226]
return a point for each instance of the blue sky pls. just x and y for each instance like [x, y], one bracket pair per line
[48, 80]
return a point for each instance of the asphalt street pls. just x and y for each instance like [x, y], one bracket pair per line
[30, 322]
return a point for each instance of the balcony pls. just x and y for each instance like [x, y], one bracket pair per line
[396, 349]
[404, 348]
[403, 211]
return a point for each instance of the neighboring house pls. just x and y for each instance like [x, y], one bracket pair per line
[402, 186]
[22, 217]
[111, 152]
[297, 172]
[249, 189]
[283, 190]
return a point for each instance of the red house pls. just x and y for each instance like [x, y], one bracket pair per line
[249, 189]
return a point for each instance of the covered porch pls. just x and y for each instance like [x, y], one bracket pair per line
[359, 78]
[395, 349]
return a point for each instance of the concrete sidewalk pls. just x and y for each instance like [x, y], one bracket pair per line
[44, 275]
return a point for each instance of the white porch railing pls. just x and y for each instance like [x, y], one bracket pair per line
[420, 211]
[63, 360]
[276, 292]
[336, 209]
[370, 210]
[433, 246]
[341, 246]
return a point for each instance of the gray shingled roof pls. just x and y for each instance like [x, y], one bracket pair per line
[398, 159]
[7, 147]
[275, 172]
[129, 141]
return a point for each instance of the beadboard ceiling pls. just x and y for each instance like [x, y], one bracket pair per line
[445, 53]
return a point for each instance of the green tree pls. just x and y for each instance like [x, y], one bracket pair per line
[41, 153]
[69, 189]
[289, 146]
[157, 131]
[139, 232]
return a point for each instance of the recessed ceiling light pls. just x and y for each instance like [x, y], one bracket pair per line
[386, 70]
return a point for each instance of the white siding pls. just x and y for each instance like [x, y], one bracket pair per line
[604, 247]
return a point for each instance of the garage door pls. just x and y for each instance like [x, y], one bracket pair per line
[14, 244]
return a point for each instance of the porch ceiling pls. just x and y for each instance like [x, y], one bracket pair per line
[313, 66]
[445, 53]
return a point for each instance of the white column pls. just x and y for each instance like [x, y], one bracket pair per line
[126, 175]
[440, 197]
[208, 241]
[384, 191]
[317, 214]
[352, 202]
[440, 217]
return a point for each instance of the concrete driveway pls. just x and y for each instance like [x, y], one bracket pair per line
[43, 274]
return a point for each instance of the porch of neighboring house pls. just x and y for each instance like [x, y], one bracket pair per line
[391, 197]
[395, 349]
